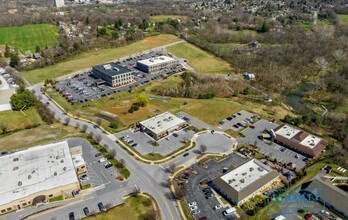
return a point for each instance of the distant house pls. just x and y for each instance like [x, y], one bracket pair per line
[254, 44]
[37, 56]
[249, 76]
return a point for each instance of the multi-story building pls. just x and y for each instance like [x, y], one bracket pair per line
[113, 74]
[35, 175]
[156, 64]
[245, 181]
[59, 3]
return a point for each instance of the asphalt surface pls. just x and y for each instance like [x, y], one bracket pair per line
[271, 149]
[194, 191]
[234, 119]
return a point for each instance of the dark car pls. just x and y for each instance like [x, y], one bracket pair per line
[185, 154]
[134, 145]
[4, 153]
[71, 216]
[97, 155]
[305, 159]
[238, 113]
[233, 116]
[108, 165]
[206, 189]
[101, 207]
[283, 149]
[221, 122]
[86, 211]
[236, 126]
[229, 118]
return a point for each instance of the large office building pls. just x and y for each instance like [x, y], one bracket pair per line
[299, 140]
[35, 175]
[113, 74]
[161, 125]
[330, 194]
[156, 64]
[59, 3]
[245, 181]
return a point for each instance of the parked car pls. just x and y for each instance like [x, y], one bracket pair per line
[236, 126]
[108, 165]
[97, 154]
[283, 149]
[221, 122]
[101, 207]
[134, 145]
[238, 113]
[186, 154]
[233, 116]
[84, 178]
[101, 160]
[209, 196]
[305, 159]
[193, 208]
[297, 156]
[252, 126]
[217, 207]
[207, 189]
[195, 212]
[229, 118]
[86, 211]
[71, 216]
[192, 204]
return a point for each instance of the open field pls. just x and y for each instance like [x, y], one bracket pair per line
[43, 134]
[208, 110]
[343, 19]
[92, 58]
[199, 59]
[133, 208]
[159, 18]
[16, 120]
[29, 36]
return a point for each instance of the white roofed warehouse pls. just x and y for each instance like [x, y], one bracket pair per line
[156, 64]
[161, 125]
[245, 181]
[35, 175]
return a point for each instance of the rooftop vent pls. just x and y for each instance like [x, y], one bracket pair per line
[64, 168]
[15, 168]
[260, 169]
[242, 180]
[19, 183]
[62, 161]
[15, 159]
[251, 169]
[55, 173]
[29, 177]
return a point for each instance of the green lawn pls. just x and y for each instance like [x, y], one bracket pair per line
[343, 19]
[305, 25]
[92, 58]
[200, 60]
[29, 36]
[43, 134]
[133, 208]
[17, 120]
[159, 18]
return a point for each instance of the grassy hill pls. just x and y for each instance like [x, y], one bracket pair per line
[29, 36]
[95, 57]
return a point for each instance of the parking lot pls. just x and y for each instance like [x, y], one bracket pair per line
[166, 145]
[83, 88]
[194, 191]
[282, 154]
[237, 121]
[215, 142]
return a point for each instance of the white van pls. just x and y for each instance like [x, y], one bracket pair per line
[101, 160]
[229, 211]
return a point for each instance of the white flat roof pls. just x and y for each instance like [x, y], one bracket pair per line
[162, 122]
[156, 60]
[287, 131]
[245, 174]
[310, 141]
[34, 170]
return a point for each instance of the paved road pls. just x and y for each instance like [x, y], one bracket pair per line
[140, 173]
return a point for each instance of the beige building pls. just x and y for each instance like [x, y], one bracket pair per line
[161, 125]
[36, 175]
[245, 182]
[156, 64]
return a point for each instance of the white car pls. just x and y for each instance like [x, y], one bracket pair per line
[197, 211]
[192, 204]
[101, 160]
[217, 207]
[192, 208]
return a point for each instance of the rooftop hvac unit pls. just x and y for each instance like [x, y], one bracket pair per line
[117, 69]
[251, 169]
[260, 169]
[107, 66]
[311, 144]
[242, 180]
[229, 181]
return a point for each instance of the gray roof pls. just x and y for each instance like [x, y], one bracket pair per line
[247, 190]
[328, 192]
[111, 69]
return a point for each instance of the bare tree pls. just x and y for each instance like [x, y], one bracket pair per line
[172, 167]
[66, 121]
[106, 147]
[98, 121]
[113, 153]
[203, 148]
[122, 163]
[77, 124]
[84, 128]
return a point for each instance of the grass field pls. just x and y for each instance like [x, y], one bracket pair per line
[343, 19]
[133, 208]
[16, 120]
[29, 36]
[43, 134]
[200, 60]
[92, 58]
[159, 18]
